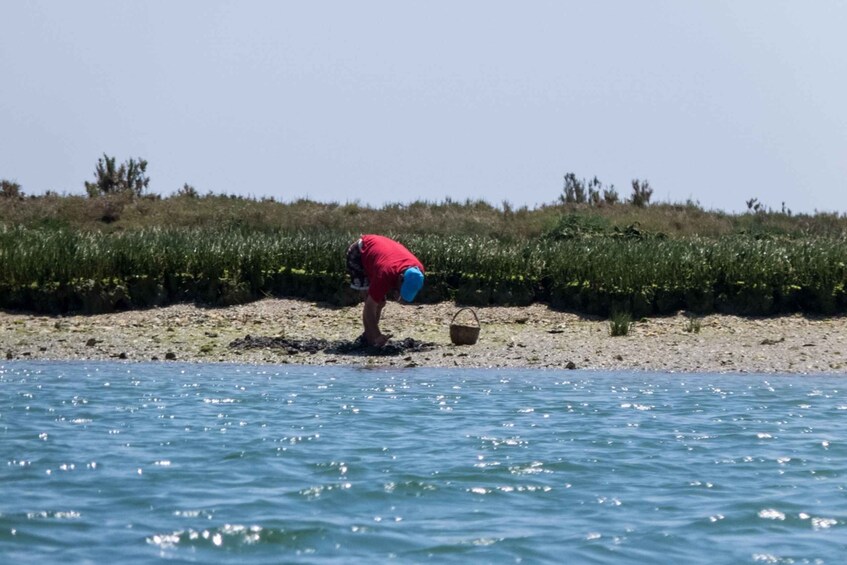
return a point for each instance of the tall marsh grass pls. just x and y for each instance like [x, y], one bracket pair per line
[59, 270]
[620, 323]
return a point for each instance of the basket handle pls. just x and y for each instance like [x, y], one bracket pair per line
[466, 308]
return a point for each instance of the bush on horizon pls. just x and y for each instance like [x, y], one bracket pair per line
[129, 177]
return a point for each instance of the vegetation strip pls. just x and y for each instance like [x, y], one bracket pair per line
[59, 271]
[594, 252]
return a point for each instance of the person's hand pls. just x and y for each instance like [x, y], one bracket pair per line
[381, 340]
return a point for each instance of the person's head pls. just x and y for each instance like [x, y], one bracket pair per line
[411, 283]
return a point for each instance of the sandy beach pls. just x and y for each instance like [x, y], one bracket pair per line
[532, 337]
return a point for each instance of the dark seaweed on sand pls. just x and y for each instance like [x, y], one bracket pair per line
[338, 347]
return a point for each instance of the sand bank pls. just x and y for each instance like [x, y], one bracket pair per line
[533, 337]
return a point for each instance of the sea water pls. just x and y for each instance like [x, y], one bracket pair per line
[134, 462]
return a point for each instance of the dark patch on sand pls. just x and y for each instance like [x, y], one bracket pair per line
[339, 347]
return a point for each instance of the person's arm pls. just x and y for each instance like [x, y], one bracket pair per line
[370, 318]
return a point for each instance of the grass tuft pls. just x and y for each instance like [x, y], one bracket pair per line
[692, 325]
[620, 324]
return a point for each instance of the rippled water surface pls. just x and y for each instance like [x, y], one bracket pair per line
[226, 463]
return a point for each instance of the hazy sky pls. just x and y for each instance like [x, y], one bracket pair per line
[718, 101]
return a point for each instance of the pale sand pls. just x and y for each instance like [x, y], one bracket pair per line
[532, 337]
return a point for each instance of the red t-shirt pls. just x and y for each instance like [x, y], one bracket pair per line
[384, 260]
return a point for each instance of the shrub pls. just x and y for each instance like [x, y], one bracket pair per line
[620, 324]
[753, 205]
[641, 193]
[188, 191]
[610, 195]
[9, 189]
[592, 192]
[573, 191]
[109, 179]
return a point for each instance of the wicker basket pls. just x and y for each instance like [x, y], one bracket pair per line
[464, 335]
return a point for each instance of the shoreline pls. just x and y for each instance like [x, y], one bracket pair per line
[533, 337]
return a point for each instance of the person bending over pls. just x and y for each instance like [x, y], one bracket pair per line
[385, 269]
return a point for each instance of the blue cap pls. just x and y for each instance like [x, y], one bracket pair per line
[412, 282]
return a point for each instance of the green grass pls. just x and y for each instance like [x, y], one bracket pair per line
[70, 253]
[60, 269]
[620, 324]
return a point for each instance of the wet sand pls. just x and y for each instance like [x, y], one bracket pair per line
[532, 337]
